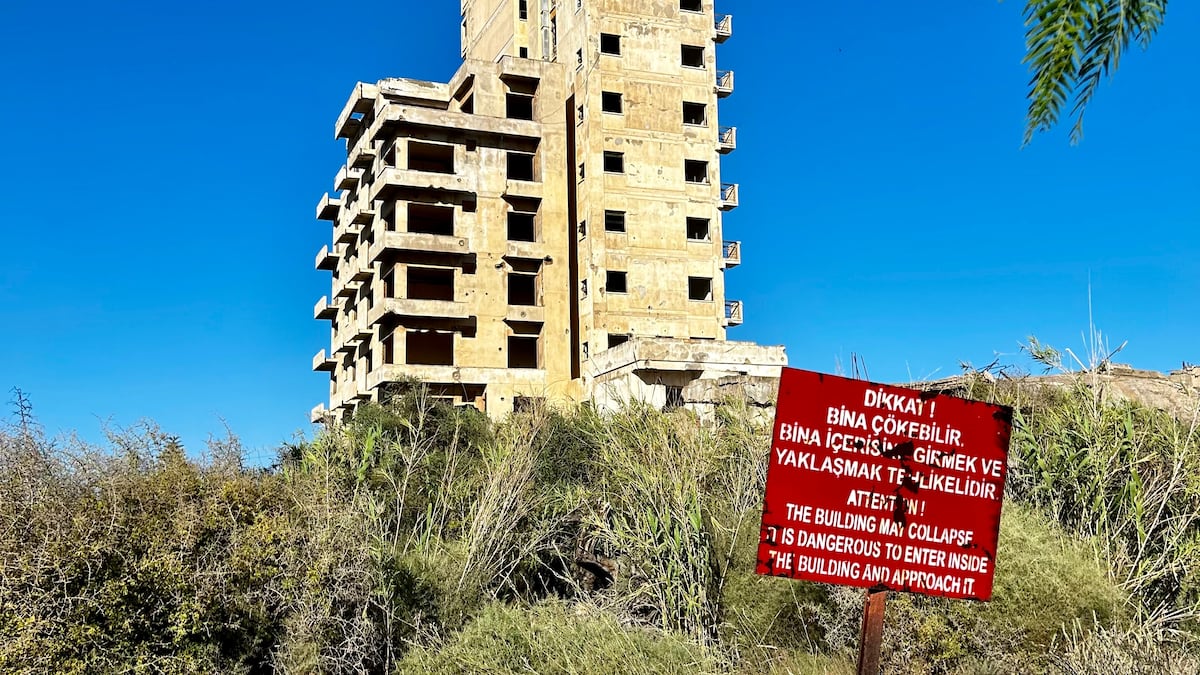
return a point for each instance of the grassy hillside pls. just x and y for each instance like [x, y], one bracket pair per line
[420, 538]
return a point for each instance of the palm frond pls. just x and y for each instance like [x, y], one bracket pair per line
[1072, 44]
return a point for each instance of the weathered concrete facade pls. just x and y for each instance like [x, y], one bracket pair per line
[548, 223]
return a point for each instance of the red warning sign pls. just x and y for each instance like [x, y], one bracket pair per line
[884, 487]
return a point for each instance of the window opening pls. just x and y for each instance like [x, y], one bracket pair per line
[614, 221]
[520, 166]
[692, 56]
[699, 288]
[695, 171]
[610, 44]
[615, 282]
[522, 351]
[694, 113]
[521, 226]
[429, 219]
[518, 106]
[435, 158]
[427, 348]
[674, 398]
[616, 340]
[614, 162]
[611, 102]
[427, 283]
[522, 289]
[698, 229]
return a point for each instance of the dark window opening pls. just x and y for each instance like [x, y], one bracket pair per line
[388, 213]
[674, 398]
[428, 219]
[430, 157]
[523, 9]
[582, 229]
[518, 106]
[615, 282]
[610, 102]
[695, 171]
[698, 229]
[614, 162]
[522, 289]
[614, 221]
[616, 340]
[694, 113]
[389, 282]
[610, 44]
[521, 226]
[692, 56]
[579, 60]
[523, 52]
[699, 288]
[691, 5]
[522, 351]
[582, 165]
[389, 349]
[524, 404]
[520, 166]
[468, 104]
[426, 283]
[429, 349]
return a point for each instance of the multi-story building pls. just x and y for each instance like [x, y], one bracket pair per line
[548, 223]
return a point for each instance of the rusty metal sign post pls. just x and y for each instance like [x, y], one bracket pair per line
[870, 636]
[883, 488]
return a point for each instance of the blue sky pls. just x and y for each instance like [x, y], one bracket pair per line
[163, 161]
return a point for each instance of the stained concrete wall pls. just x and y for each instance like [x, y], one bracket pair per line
[373, 248]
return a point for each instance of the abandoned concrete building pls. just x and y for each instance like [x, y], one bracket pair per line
[545, 225]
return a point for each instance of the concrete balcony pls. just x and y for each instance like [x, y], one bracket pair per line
[726, 140]
[362, 213]
[319, 415]
[729, 196]
[394, 116]
[346, 290]
[350, 127]
[347, 178]
[321, 363]
[393, 179]
[430, 309]
[327, 208]
[325, 310]
[734, 312]
[724, 83]
[326, 260]
[454, 374]
[723, 28]
[526, 250]
[362, 270]
[526, 314]
[362, 101]
[426, 243]
[524, 188]
[363, 153]
[361, 329]
[731, 253]
[346, 233]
